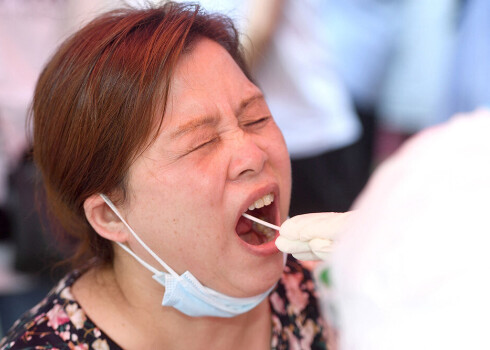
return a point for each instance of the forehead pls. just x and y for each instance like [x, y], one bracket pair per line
[206, 81]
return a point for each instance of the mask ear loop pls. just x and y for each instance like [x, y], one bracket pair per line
[140, 241]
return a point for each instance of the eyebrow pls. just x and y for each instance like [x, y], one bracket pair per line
[194, 124]
[245, 103]
[211, 120]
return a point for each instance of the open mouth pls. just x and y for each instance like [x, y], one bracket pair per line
[252, 232]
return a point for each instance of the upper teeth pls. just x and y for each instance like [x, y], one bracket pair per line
[259, 203]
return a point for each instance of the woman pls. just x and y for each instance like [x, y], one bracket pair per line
[152, 141]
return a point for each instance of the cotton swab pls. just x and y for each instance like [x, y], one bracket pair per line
[261, 222]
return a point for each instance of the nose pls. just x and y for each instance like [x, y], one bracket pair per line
[247, 158]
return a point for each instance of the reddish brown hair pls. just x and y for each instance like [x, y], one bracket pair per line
[98, 100]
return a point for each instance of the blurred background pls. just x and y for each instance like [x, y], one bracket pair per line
[347, 82]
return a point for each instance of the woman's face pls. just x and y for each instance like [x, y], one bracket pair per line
[218, 152]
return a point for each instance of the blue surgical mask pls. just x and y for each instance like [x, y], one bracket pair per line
[184, 292]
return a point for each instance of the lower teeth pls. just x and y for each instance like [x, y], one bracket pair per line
[266, 231]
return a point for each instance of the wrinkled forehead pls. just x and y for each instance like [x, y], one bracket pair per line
[206, 81]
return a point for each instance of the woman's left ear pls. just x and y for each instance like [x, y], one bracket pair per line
[103, 219]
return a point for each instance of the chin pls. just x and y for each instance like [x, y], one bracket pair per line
[270, 273]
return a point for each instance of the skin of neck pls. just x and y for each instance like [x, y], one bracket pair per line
[126, 305]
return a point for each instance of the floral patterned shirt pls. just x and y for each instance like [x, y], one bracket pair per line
[59, 322]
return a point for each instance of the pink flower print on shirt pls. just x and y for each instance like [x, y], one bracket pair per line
[57, 317]
[278, 303]
[76, 314]
[100, 344]
[297, 297]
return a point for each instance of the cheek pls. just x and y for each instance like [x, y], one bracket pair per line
[178, 197]
[279, 155]
[286, 186]
[281, 164]
[198, 186]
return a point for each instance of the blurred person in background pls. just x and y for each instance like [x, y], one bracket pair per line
[414, 92]
[469, 74]
[362, 37]
[409, 65]
[152, 142]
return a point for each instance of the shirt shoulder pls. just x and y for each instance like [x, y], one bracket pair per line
[57, 322]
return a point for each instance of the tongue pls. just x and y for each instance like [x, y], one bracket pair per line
[244, 226]
[252, 238]
[245, 232]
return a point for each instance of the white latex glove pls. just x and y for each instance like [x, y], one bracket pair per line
[311, 236]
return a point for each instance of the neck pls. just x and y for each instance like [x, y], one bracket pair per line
[129, 311]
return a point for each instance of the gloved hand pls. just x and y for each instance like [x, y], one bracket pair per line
[311, 236]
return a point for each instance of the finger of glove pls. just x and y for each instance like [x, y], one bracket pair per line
[314, 225]
[292, 246]
[322, 248]
[306, 256]
[294, 227]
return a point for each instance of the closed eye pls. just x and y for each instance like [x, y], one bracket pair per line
[204, 144]
[258, 122]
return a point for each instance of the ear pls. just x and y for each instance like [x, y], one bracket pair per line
[104, 221]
